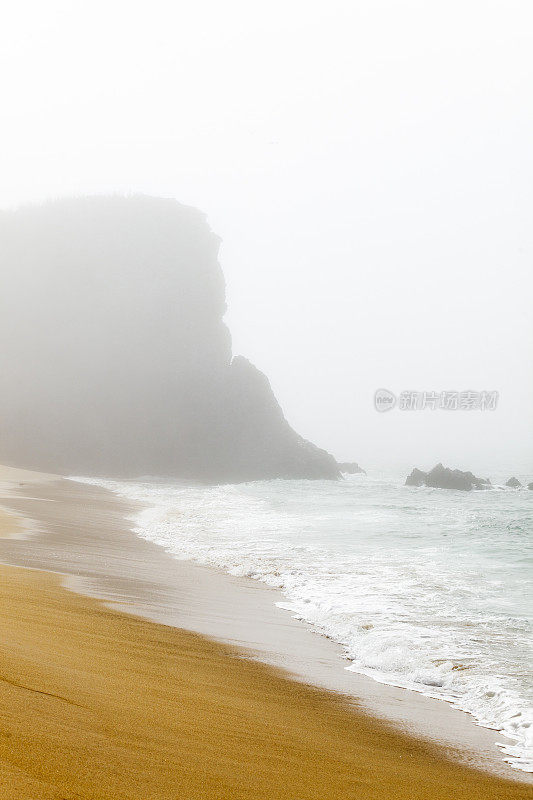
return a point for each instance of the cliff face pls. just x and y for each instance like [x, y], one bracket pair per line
[115, 359]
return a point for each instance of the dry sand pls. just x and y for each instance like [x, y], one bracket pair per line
[99, 704]
[96, 703]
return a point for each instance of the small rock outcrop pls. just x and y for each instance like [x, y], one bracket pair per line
[530, 486]
[441, 477]
[416, 478]
[514, 483]
[351, 468]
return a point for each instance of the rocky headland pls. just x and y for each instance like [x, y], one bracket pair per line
[116, 360]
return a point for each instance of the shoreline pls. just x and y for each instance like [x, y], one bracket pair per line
[90, 544]
[99, 704]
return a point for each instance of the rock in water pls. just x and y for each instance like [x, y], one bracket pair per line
[115, 358]
[416, 478]
[351, 468]
[445, 478]
[514, 483]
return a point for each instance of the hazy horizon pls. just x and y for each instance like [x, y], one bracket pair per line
[368, 170]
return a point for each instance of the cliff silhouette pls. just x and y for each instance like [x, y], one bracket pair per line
[115, 358]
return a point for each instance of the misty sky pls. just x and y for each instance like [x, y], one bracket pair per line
[368, 165]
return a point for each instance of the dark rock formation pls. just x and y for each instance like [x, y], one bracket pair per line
[416, 478]
[530, 486]
[514, 483]
[350, 467]
[444, 478]
[115, 358]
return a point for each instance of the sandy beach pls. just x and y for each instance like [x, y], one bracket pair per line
[194, 696]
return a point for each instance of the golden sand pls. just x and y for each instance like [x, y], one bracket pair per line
[99, 704]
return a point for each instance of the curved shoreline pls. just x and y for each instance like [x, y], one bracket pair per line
[89, 541]
[439, 641]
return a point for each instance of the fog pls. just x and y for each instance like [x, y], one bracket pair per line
[116, 360]
[367, 166]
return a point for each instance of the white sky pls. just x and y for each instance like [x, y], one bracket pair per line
[368, 165]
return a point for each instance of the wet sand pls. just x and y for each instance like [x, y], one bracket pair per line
[168, 713]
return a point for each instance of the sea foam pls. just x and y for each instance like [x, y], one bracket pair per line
[425, 589]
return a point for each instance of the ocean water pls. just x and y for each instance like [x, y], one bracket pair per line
[426, 589]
